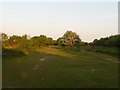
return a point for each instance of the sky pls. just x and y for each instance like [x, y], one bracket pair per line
[91, 20]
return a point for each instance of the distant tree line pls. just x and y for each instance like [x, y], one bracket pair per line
[23, 41]
[68, 40]
[112, 41]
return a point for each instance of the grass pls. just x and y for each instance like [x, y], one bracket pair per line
[11, 53]
[60, 69]
[105, 50]
[54, 51]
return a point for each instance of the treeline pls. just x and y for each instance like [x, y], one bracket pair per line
[24, 41]
[68, 40]
[112, 41]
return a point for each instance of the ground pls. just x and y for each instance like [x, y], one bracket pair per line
[54, 68]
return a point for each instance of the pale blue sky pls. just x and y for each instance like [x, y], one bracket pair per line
[89, 19]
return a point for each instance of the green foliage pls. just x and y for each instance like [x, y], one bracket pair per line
[11, 53]
[4, 37]
[80, 70]
[85, 44]
[112, 41]
[113, 51]
[59, 41]
[14, 40]
[24, 42]
[70, 40]
[42, 40]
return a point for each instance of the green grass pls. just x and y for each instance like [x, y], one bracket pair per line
[82, 70]
[11, 53]
[113, 51]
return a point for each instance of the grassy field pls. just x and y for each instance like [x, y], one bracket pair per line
[113, 51]
[54, 68]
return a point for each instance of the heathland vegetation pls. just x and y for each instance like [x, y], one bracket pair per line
[41, 62]
[70, 40]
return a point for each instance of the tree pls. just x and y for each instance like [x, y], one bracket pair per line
[4, 37]
[112, 41]
[4, 40]
[14, 40]
[42, 40]
[95, 42]
[70, 40]
[49, 41]
[59, 41]
[24, 42]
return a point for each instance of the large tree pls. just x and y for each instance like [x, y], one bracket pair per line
[71, 40]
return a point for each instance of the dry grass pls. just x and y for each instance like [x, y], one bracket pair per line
[54, 51]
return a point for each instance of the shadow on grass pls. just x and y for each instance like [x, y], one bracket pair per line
[112, 51]
[11, 53]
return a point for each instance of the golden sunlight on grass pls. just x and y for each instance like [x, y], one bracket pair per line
[54, 51]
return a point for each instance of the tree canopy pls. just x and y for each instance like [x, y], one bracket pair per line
[70, 40]
[112, 41]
